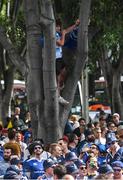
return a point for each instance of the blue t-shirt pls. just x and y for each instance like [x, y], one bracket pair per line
[34, 167]
[71, 40]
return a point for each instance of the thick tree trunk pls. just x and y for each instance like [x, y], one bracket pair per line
[52, 128]
[34, 61]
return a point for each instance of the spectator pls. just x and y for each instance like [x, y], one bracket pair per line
[82, 170]
[59, 171]
[72, 170]
[56, 152]
[60, 64]
[117, 167]
[18, 123]
[107, 172]
[113, 147]
[12, 144]
[19, 139]
[116, 118]
[74, 121]
[4, 164]
[68, 128]
[48, 168]
[14, 171]
[73, 142]
[79, 131]
[70, 157]
[112, 127]
[102, 121]
[64, 145]
[92, 167]
[98, 135]
[33, 167]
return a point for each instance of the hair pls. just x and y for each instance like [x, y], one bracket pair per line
[60, 171]
[71, 137]
[109, 123]
[52, 147]
[12, 150]
[11, 133]
[58, 22]
[101, 176]
[96, 123]
[120, 127]
[80, 119]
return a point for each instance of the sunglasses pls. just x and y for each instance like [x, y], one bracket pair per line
[37, 147]
[112, 143]
[82, 168]
[93, 147]
[117, 169]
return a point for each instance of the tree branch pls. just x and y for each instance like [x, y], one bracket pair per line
[13, 55]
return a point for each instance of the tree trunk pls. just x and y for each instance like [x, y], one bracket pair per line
[35, 75]
[52, 127]
[116, 96]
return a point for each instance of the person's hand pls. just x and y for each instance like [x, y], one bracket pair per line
[64, 32]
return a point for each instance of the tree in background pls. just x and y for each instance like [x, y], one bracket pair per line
[108, 47]
[38, 68]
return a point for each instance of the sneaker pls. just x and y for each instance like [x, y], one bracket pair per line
[62, 101]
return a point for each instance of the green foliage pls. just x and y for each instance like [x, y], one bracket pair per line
[67, 10]
[107, 16]
[15, 28]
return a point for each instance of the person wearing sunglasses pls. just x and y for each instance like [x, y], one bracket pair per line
[33, 167]
[118, 170]
[82, 169]
[112, 148]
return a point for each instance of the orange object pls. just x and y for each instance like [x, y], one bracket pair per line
[95, 107]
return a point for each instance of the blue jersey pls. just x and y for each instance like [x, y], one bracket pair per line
[34, 167]
[71, 40]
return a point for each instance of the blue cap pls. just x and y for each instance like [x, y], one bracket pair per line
[79, 163]
[111, 137]
[117, 164]
[15, 161]
[70, 156]
[102, 148]
[72, 169]
[105, 169]
[48, 163]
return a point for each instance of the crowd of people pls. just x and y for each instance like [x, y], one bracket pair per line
[91, 150]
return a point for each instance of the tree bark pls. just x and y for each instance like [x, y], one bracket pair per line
[34, 79]
[51, 109]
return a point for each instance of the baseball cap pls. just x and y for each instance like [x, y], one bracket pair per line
[15, 161]
[117, 164]
[102, 148]
[105, 169]
[70, 156]
[72, 169]
[79, 163]
[48, 163]
[111, 137]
